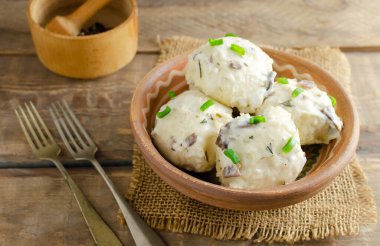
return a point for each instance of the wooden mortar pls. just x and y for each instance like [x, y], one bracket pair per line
[85, 57]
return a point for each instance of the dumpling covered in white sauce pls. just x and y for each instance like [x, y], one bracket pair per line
[311, 109]
[256, 152]
[186, 129]
[232, 70]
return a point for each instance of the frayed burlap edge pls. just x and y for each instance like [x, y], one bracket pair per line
[367, 207]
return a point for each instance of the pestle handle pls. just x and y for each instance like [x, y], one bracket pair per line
[80, 16]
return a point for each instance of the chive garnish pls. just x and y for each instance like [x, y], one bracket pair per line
[257, 119]
[333, 101]
[231, 154]
[297, 91]
[171, 94]
[238, 49]
[206, 105]
[282, 80]
[231, 35]
[215, 42]
[203, 121]
[289, 145]
[164, 112]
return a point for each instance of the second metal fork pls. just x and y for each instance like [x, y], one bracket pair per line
[81, 147]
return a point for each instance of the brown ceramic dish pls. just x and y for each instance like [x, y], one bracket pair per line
[150, 94]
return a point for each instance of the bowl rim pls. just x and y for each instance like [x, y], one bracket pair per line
[33, 22]
[316, 180]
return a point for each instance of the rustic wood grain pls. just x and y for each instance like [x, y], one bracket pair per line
[22, 77]
[36, 207]
[102, 106]
[365, 85]
[294, 23]
[23, 221]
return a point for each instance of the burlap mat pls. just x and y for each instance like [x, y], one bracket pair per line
[338, 210]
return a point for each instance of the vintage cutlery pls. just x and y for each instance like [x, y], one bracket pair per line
[45, 148]
[81, 147]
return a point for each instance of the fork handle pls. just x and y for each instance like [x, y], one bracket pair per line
[100, 231]
[140, 231]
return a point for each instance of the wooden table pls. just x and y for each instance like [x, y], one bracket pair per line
[36, 208]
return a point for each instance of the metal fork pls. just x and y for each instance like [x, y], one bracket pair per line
[81, 147]
[45, 148]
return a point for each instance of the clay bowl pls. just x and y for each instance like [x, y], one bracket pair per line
[152, 92]
[89, 56]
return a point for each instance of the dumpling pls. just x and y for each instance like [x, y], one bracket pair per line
[186, 129]
[311, 109]
[232, 70]
[256, 152]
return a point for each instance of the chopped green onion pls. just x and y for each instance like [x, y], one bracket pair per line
[333, 101]
[282, 80]
[164, 112]
[237, 49]
[171, 94]
[215, 42]
[297, 91]
[206, 105]
[289, 145]
[230, 153]
[231, 35]
[257, 119]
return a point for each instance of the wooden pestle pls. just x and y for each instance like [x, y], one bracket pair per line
[71, 24]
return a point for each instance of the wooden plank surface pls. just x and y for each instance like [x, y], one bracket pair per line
[102, 105]
[30, 197]
[293, 23]
[366, 86]
[37, 207]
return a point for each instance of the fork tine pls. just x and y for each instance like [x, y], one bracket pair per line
[71, 124]
[65, 131]
[42, 123]
[60, 130]
[78, 124]
[31, 129]
[40, 133]
[26, 133]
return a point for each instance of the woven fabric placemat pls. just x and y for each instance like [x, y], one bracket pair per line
[339, 209]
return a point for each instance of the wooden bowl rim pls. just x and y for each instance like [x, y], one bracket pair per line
[132, 16]
[317, 179]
